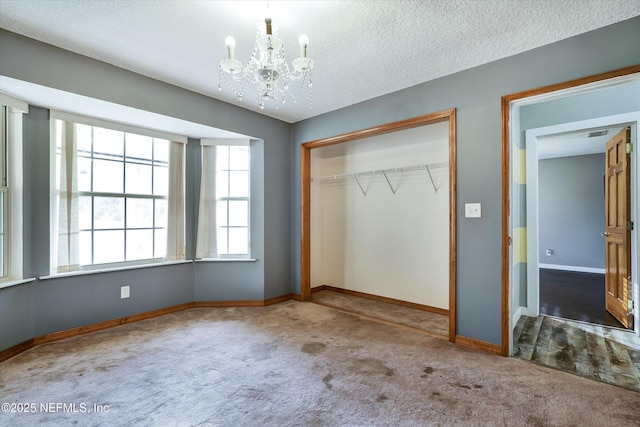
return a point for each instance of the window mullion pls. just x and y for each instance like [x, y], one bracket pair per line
[124, 191]
[93, 207]
[153, 204]
[228, 196]
[4, 148]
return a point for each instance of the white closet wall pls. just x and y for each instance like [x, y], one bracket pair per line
[381, 243]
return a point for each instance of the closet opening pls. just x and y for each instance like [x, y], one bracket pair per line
[378, 215]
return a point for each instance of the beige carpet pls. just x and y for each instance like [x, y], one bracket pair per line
[427, 321]
[292, 364]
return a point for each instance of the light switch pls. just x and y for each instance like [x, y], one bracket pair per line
[472, 210]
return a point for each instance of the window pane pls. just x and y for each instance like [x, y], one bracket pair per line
[161, 181]
[108, 142]
[239, 213]
[239, 184]
[84, 213]
[2, 193]
[115, 229]
[161, 150]
[239, 158]
[139, 214]
[58, 130]
[160, 250]
[108, 212]
[222, 184]
[83, 139]
[138, 179]
[139, 244]
[84, 174]
[161, 213]
[221, 213]
[138, 147]
[238, 241]
[2, 272]
[58, 168]
[221, 235]
[222, 157]
[107, 176]
[108, 246]
[85, 248]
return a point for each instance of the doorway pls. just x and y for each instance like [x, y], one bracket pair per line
[448, 117]
[520, 242]
[567, 207]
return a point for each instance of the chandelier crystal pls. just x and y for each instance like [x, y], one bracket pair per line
[268, 69]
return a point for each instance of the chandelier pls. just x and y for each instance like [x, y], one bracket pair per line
[267, 69]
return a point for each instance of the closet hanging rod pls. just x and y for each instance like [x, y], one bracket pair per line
[426, 167]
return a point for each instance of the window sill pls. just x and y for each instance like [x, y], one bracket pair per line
[108, 270]
[11, 283]
[226, 260]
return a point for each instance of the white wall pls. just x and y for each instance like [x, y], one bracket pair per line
[395, 246]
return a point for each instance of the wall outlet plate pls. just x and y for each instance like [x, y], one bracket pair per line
[125, 292]
[472, 210]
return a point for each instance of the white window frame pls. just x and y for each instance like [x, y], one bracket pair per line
[11, 187]
[126, 197]
[228, 199]
[96, 122]
[5, 223]
[208, 221]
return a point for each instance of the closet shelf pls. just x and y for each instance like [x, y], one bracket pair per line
[385, 173]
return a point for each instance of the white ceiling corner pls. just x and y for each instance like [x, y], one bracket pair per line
[362, 49]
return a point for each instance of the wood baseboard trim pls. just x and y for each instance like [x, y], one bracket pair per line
[479, 345]
[55, 336]
[278, 300]
[382, 321]
[219, 304]
[422, 307]
[248, 303]
[15, 350]
[94, 327]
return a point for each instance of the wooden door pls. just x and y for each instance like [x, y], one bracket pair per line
[618, 228]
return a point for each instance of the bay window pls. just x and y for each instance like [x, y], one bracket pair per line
[114, 203]
[224, 214]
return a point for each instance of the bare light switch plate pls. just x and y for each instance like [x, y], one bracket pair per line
[472, 210]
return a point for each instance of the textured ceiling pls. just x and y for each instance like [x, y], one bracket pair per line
[577, 143]
[362, 49]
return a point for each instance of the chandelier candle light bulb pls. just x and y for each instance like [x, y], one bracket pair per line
[304, 41]
[269, 29]
[231, 44]
[267, 68]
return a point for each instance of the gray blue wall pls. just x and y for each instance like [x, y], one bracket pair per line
[571, 210]
[476, 93]
[34, 309]
[41, 307]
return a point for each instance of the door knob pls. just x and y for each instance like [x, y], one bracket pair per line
[604, 234]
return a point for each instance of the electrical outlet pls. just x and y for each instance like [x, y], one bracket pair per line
[125, 292]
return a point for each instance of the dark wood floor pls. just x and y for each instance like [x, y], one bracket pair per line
[595, 352]
[575, 295]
